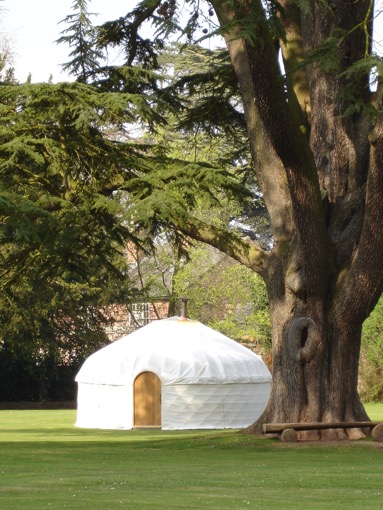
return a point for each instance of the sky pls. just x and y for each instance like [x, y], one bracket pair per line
[33, 26]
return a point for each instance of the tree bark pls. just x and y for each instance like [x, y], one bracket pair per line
[315, 371]
[320, 169]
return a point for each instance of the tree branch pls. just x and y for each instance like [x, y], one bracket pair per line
[245, 251]
[366, 272]
[293, 56]
[273, 130]
[142, 14]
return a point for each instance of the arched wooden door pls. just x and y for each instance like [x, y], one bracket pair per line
[147, 400]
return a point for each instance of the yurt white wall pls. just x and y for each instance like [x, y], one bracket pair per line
[206, 380]
[213, 406]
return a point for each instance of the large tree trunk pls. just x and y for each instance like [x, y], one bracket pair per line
[320, 172]
[315, 367]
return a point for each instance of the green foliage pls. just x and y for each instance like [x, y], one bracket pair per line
[305, 6]
[74, 189]
[211, 128]
[125, 33]
[366, 70]
[206, 85]
[227, 296]
[92, 44]
[169, 193]
[25, 378]
[62, 229]
[326, 55]
[371, 363]
[207, 165]
[194, 94]
[81, 37]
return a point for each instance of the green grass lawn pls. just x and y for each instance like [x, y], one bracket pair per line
[375, 411]
[47, 463]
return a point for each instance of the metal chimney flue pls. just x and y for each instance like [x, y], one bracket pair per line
[184, 306]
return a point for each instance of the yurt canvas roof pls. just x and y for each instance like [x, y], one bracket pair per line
[179, 351]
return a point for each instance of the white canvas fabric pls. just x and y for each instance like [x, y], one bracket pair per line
[207, 379]
[213, 406]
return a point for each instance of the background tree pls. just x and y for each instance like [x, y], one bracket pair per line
[222, 293]
[62, 228]
[6, 60]
[69, 158]
[371, 363]
[315, 137]
[226, 296]
[80, 36]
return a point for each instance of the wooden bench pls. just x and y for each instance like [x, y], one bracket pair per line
[288, 432]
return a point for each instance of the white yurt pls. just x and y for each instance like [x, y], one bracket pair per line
[172, 374]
